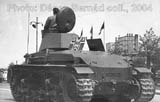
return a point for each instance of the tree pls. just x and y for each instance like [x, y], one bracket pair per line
[10, 65]
[149, 42]
[117, 50]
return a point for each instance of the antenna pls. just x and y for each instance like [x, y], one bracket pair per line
[35, 25]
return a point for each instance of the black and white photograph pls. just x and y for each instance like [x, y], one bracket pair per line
[80, 51]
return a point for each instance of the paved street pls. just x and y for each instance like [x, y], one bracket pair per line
[5, 94]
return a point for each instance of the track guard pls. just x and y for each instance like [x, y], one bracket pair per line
[143, 70]
[83, 70]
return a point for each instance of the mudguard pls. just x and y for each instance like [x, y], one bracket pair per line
[83, 70]
[142, 70]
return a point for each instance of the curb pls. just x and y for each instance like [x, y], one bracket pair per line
[158, 92]
[4, 89]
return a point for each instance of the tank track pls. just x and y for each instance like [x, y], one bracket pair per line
[147, 90]
[13, 92]
[16, 92]
[85, 88]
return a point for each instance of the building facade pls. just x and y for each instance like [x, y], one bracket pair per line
[128, 44]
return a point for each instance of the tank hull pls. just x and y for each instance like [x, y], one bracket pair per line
[64, 77]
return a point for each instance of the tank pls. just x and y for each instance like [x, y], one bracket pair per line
[61, 71]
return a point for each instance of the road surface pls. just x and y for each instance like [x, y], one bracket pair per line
[5, 94]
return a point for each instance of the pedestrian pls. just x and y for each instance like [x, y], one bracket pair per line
[51, 25]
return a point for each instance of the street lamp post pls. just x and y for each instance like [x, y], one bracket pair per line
[35, 25]
[37, 34]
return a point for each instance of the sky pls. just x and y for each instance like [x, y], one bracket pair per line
[120, 17]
